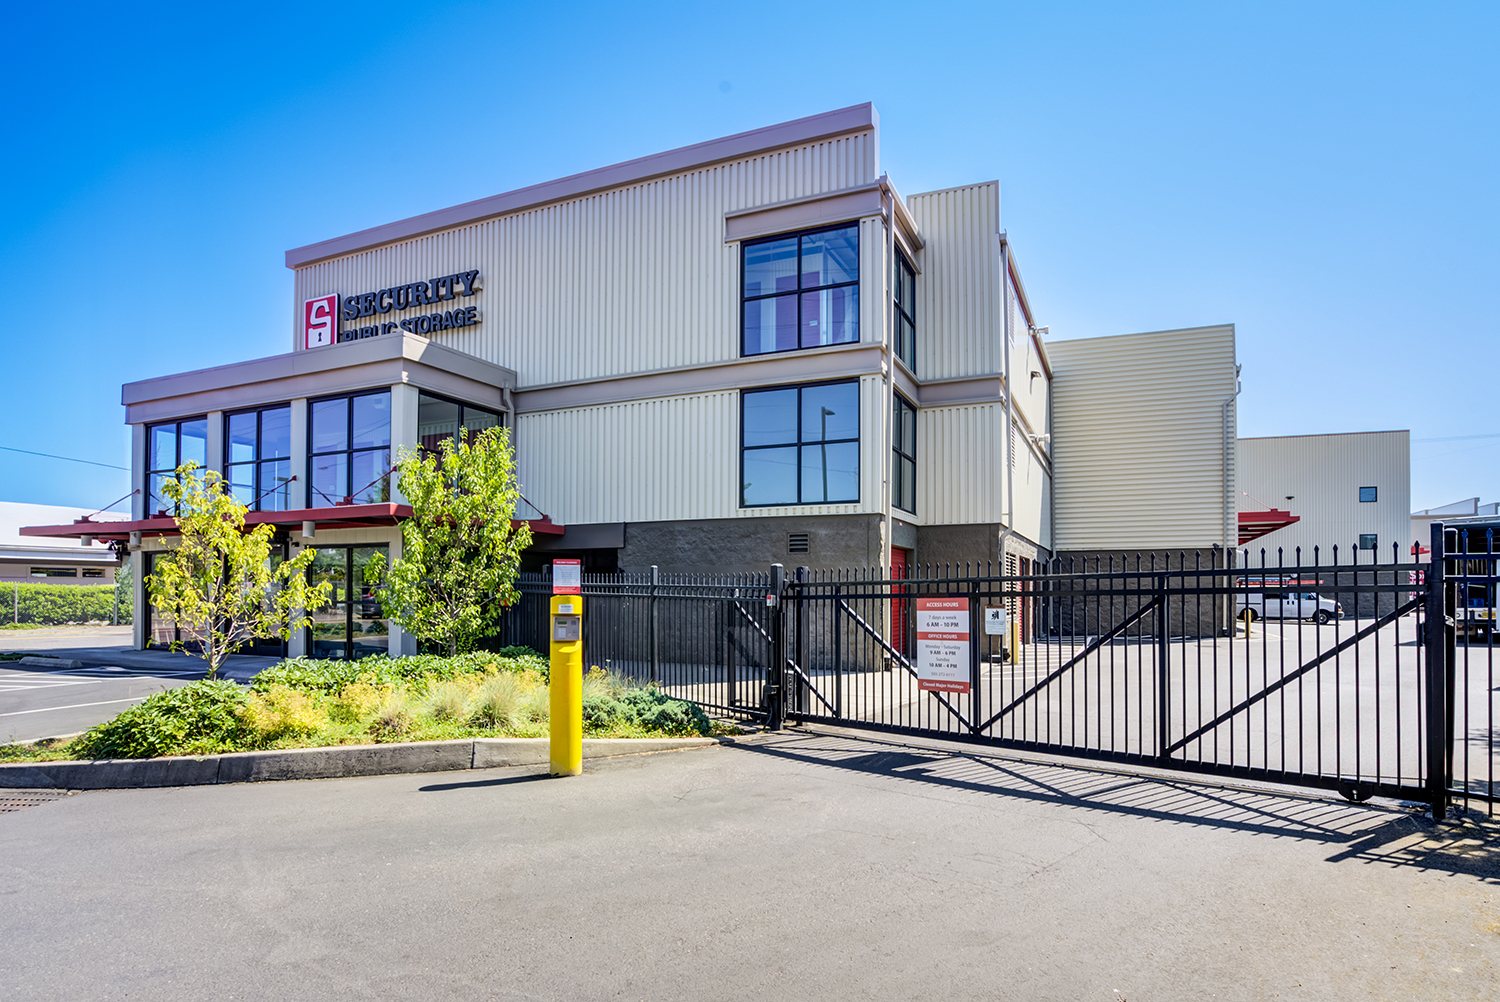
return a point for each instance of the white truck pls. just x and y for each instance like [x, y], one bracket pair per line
[1277, 604]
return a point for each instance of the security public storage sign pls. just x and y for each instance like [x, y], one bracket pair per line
[320, 321]
[942, 643]
[567, 577]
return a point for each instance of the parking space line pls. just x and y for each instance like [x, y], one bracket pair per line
[75, 706]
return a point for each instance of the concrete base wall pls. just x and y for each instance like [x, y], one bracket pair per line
[730, 545]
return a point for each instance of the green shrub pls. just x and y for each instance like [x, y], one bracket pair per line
[657, 711]
[500, 702]
[199, 718]
[415, 673]
[53, 605]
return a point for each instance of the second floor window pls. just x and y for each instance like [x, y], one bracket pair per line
[800, 445]
[439, 418]
[258, 457]
[349, 450]
[168, 446]
[904, 456]
[800, 290]
[906, 312]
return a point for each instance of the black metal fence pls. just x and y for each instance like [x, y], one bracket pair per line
[1312, 673]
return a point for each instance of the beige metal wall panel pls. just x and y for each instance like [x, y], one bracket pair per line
[1318, 477]
[663, 459]
[960, 464]
[1139, 445]
[958, 290]
[633, 279]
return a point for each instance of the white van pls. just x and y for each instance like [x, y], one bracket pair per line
[1288, 605]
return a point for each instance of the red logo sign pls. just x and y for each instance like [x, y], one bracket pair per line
[320, 324]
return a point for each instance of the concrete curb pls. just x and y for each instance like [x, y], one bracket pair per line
[46, 662]
[319, 763]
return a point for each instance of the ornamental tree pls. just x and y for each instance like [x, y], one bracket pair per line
[217, 579]
[460, 552]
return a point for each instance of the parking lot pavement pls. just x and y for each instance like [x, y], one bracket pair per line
[40, 702]
[794, 866]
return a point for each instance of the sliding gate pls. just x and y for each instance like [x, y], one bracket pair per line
[1303, 671]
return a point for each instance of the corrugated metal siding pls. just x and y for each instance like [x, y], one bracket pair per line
[666, 458]
[629, 280]
[958, 292]
[1323, 474]
[1139, 445]
[960, 464]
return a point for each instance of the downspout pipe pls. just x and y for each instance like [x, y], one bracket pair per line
[1009, 468]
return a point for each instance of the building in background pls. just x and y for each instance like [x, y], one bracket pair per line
[1421, 521]
[83, 560]
[1351, 491]
[1143, 439]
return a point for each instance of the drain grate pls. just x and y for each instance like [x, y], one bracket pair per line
[19, 800]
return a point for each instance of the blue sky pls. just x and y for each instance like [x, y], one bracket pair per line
[1322, 175]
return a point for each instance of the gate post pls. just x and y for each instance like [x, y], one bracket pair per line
[1439, 640]
[800, 645]
[1163, 652]
[776, 670]
[655, 646]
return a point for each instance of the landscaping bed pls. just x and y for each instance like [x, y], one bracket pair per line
[305, 703]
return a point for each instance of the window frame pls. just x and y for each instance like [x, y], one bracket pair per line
[1372, 537]
[904, 265]
[1374, 497]
[348, 451]
[462, 405]
[799, 291]
[176, 423]
[799, 444]
[899, 458]
[259, 489]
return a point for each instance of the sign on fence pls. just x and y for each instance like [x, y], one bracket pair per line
[996, 622]
[567, 577]
[943, 643]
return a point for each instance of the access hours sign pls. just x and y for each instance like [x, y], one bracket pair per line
[943, 643]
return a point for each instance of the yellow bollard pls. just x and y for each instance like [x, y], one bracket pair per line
[566, 685]
[1248, 617]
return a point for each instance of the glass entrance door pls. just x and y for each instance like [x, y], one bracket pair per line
[352, 625]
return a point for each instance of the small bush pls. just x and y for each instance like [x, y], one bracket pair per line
[655, 710]
[54, 605]
[393, 717]
[499, 703]
[416, 673]
[199, 718]
[448, 701]
[280, 712]
[357, 702]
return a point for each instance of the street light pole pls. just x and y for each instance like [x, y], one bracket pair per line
[823, 444]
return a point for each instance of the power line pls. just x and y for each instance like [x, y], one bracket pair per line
[48, 455]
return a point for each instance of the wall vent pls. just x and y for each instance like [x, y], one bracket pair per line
[797, 542]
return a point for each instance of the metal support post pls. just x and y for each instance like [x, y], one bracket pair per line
[1163, 660]
[1439, 642]
[655, 646]
[776, 671]
[801, 701]
[976, 630]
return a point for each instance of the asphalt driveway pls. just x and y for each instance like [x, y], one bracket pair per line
[798, 866]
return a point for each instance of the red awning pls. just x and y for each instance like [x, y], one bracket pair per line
[1255, 524]
[344, 516]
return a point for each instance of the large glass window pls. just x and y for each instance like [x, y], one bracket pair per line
[258, 457]
[800, 445]
[168, 446]
[906, 312]
[439, 418]
[353, 625]
[349, 450]
[904, 456]
[801, 290]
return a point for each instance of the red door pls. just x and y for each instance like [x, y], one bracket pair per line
[899, 602]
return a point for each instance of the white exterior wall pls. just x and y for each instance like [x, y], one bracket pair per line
[958, 290]
[633, 279]
[692, 467]
[960, 472]
[1139, 445]
[1323, 475]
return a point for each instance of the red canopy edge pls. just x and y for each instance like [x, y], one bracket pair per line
[346, 516]
[1255, 524]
